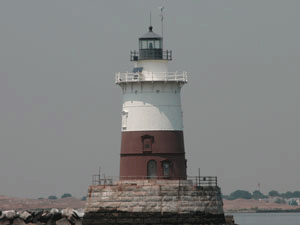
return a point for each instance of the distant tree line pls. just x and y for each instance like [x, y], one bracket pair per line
[258, 195]
[65, 195]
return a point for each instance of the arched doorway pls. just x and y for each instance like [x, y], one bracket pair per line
[152, 169]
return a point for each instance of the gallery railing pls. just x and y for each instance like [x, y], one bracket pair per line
[151, 76]
[199, 181]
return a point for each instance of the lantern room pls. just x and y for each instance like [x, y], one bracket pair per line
[150, 47]
[150, 40]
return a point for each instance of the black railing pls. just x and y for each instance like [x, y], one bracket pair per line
[101, 181]
[206, 181]
[199, 181]
[145, 54]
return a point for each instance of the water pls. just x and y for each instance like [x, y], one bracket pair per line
[267, 218]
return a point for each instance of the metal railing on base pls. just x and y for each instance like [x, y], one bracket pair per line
[199, 181]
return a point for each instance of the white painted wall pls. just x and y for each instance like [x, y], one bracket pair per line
[152, 106]
[160, 65]
[153, 69]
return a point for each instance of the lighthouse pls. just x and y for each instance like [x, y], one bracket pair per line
[153, 186]
[152, 145]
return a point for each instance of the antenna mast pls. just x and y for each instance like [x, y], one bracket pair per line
[162, 20]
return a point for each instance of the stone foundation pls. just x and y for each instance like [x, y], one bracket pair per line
[154, 202]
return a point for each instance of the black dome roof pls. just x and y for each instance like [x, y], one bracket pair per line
[150, 35]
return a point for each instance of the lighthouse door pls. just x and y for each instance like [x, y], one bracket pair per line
[151, 169]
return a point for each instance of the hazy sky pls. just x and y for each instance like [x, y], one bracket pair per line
[60, 109]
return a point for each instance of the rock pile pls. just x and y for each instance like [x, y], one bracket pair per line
[66, 216]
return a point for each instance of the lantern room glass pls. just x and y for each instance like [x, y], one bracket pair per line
[143, 44]
[157, 43]
[150, 44]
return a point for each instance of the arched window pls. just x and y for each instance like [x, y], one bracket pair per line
[151, 169]
[166, 165]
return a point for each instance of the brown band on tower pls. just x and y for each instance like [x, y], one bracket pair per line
[152, 154]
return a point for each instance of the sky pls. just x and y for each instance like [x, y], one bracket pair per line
[60, 110]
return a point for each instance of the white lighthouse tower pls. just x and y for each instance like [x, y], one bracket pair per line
[152, 128]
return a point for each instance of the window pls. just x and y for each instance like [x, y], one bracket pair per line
[166, 168]
[147, 142]
[144, 44]
[157, 44]
[150, 44]
[151, 169]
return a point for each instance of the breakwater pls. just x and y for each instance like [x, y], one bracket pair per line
[66, 216]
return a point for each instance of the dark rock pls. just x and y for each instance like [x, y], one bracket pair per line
[45, 217]
[51, 222]
[5, 222]
[40, 223]
[18, 221]
[37, 216]
[78, 222]
[75, 215]
[73, 219]
[56, 216]
[63, 221]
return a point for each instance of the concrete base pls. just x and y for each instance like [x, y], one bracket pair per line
[154, 202]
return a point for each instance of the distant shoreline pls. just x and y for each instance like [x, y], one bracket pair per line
[229, 206]
[256, 206]
[263, 211]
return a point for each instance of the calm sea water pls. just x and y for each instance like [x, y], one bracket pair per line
[267, 218]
